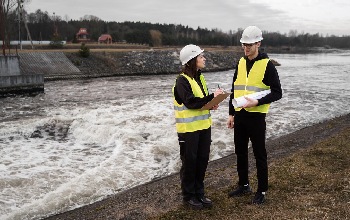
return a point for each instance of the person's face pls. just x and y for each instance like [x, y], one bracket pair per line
[200, 61]
[251, 50]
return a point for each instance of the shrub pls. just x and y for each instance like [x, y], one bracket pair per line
[84, 50]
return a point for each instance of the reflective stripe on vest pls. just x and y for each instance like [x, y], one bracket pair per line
[253, 83]
[195, 118]
[251, 88]
[190, 120]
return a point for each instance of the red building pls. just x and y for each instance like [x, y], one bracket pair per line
[105, 38]
[82, 35]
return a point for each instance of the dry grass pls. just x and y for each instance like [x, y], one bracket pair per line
[310, 184]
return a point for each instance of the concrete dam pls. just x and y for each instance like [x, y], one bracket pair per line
[12, 81]
[26, 72]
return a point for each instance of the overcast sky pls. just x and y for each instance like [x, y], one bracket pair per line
[306, 16]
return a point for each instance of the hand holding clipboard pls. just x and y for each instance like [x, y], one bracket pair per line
[216, 100]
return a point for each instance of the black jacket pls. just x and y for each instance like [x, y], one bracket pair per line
[271, 79]
[183, 93]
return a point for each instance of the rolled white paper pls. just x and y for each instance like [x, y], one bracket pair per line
[240, 101]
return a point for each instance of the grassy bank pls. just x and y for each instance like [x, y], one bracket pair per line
[309, 184]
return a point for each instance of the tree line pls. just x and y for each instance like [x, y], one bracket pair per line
[43, 26]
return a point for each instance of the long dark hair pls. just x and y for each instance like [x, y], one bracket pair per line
[190, 68]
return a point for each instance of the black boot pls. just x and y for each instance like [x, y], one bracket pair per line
[239, 191]
[194, 203]
[259, 198]
[207, 203]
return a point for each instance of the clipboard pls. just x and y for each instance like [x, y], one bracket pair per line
[216, 100]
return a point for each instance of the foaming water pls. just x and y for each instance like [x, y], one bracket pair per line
[82, 141]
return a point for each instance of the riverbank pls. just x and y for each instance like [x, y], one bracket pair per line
[309, 179]
[146, 62]
[68, 64]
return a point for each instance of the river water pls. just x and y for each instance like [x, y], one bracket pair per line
[84, 140]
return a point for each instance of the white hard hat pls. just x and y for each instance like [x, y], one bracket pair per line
[251, 34]
[189, 52]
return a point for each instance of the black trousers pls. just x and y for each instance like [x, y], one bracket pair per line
[251, 127]
[194, 154]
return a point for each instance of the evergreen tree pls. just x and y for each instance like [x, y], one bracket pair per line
[84, 51]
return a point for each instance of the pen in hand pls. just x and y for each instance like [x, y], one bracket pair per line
[222, 91]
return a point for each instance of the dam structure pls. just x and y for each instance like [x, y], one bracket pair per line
[13, 81]
[26, 72]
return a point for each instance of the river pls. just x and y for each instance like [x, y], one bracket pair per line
[83, 140]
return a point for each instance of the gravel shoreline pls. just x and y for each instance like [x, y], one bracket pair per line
[162, 195]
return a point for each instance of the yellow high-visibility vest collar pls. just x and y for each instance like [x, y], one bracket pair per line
[190, 120]
[245, 85]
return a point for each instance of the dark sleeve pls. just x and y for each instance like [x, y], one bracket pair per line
[231, 108]
[185, 95]
[271, 79]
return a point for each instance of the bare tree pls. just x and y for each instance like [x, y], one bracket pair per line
[7, 7]
[156, 37]
[90, 18]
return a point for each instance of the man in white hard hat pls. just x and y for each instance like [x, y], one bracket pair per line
[254, 73]
[193, 125]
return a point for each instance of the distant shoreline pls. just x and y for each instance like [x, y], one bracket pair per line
[121, 47]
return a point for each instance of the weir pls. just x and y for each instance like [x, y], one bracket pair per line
[12, 81]
[9, 65]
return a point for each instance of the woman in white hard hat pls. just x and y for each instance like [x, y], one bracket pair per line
[254, 73]
[193, 125]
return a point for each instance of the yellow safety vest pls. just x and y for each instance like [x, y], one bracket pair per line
[190, 120]
[253, 83]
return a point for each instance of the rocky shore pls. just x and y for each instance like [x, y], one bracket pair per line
[62, 65]
[161, 196]
[148, 62]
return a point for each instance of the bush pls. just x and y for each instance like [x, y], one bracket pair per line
[84, 50]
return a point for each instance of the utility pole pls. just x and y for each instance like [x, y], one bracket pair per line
[28, 33]
[55, 32]
[19, 25]
[21, 12]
